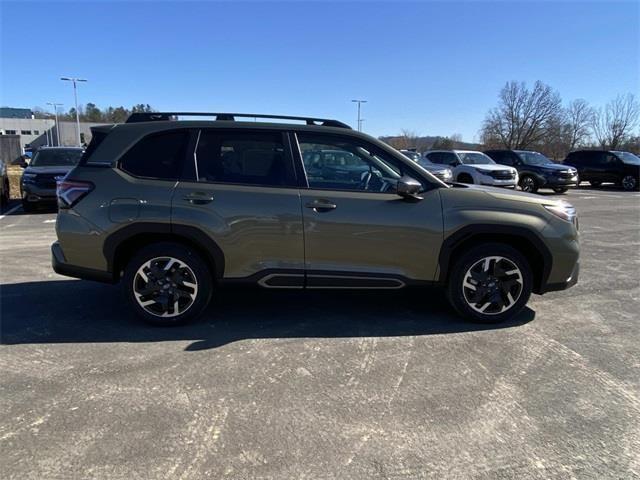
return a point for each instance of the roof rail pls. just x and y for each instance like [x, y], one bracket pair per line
[171, 116]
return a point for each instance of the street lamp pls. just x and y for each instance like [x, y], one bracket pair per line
[75, 96]
[55, 109]
[359, 102]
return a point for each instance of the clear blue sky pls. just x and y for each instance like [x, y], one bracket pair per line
[432, 67]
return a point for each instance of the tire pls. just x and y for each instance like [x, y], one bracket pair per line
[528, 184]
[560, 189]
[465, 178]
[29, 207]
[147, 271]
[4, 199]
[595, 183]
[514, 289]
[629, 183]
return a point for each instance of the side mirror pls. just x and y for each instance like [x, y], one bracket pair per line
[409, 188]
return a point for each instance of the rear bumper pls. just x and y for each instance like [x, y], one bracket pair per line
[61, 267]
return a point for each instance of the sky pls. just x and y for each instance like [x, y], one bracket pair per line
[434, 68]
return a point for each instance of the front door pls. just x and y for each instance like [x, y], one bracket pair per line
[358, 231]
[243, 195]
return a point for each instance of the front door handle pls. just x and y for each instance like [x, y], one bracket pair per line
[321, 205]
[198, 198]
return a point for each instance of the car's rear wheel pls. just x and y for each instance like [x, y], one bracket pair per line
[490, 283]
[528, 184]
[560, 189]
[595, 183]
[629, 182]
[167, 283]
[465, 178]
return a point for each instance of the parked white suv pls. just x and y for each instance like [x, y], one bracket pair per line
[474, 167]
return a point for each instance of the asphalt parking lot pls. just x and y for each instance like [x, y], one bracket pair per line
[323, 385]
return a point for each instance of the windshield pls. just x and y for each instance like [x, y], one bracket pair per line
[532, 158]
[56, 157]
[475, 158]
[628, 157]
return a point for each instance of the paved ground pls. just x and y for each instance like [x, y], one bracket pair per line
[323, 385]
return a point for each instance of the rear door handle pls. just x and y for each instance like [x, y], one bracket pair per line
[198, 198]
[321, 205]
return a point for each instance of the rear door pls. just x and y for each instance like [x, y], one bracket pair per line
[241, 191]
[358, 231]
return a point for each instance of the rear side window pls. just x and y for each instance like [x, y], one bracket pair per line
[246, 158]
[157, 156]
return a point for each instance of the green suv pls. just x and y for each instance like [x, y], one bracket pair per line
[177, 209]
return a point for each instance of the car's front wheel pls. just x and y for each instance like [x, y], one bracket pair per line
[490, 283]
[528, 184]
[167, 283]
[629, 182]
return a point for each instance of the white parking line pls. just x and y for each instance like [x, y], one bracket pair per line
[10, 211]
[50, 221]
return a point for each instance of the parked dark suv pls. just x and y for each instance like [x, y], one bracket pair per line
[175, 209]
[536, 171]
[48, 165]
[602, 166]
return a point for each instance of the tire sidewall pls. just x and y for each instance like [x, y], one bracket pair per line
[635, 183]
[534, 188]
[182, 253]
[455, 290]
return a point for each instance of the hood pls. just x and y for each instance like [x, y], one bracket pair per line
[434, 167]
[62, 169]
[491, 167]
[513, 195]
[553, 166]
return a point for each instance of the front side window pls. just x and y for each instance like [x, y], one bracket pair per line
[158, 156]
[247, 158]
[336, 163]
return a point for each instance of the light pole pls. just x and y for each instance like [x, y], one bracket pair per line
[359, 102]
[75, 96]
[55, 110]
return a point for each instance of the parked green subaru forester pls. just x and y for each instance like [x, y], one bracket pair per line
[175, 209]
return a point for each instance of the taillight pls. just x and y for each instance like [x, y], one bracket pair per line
[70, 192]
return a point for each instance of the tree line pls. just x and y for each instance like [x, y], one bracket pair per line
[536, 119]
[92, 113]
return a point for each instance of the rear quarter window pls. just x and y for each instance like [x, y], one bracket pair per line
[158, 156]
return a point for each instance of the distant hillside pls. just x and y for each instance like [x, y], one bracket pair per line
[422, 144]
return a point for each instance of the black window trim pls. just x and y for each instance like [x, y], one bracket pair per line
[305, 185]
[291, 182]
[188, 132]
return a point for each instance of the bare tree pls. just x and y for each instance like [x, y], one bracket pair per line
[579, 118]
[523, 117]
[613, 124]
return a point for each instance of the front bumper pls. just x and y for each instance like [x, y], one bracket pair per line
[552, 181]
[568, 283]
[61, 267]
[33, 193]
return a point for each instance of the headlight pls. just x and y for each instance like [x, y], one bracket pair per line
[447, 174]
[564, 210]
